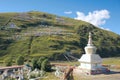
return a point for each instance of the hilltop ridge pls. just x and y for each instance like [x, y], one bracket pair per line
[34, 34]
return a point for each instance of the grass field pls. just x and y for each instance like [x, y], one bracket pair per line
[112, 61]
[51, 76]
[106, 61]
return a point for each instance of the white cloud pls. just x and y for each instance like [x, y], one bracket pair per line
[68, 12]
[96, 18]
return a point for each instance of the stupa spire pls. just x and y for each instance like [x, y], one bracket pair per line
[90, 40]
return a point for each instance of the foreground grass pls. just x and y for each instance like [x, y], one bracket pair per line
[111, 61]
[51, 76]
[106, 61]
[73, 63]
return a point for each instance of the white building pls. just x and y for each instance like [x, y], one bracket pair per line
[91, 63]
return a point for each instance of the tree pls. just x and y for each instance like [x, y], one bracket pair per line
[39, 62]
[20, 60]
[34, 63]
[45, 66]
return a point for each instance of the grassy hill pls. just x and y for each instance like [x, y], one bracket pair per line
[34, 34]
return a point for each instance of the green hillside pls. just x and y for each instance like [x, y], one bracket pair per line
[34, 34]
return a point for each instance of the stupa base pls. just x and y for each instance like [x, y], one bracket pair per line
[90, 72]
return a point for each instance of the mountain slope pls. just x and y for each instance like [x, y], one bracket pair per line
[34, 34]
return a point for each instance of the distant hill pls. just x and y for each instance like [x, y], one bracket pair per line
[34, 34]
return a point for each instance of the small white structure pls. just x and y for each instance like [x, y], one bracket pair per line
[90, 63]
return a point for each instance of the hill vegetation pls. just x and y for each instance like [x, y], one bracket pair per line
[35, 34]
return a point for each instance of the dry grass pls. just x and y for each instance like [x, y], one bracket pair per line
[51, 76]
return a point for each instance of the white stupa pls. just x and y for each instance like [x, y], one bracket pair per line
[90, 63]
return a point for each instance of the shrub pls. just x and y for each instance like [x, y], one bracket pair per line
[20, 60]
[45, 66]
[39, 62]
[34, 63]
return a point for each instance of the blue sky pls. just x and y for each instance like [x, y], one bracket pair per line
[71, 8]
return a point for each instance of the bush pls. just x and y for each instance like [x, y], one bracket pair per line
[34, 63]
[39, 62]
[45, 66]
[20, 60]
